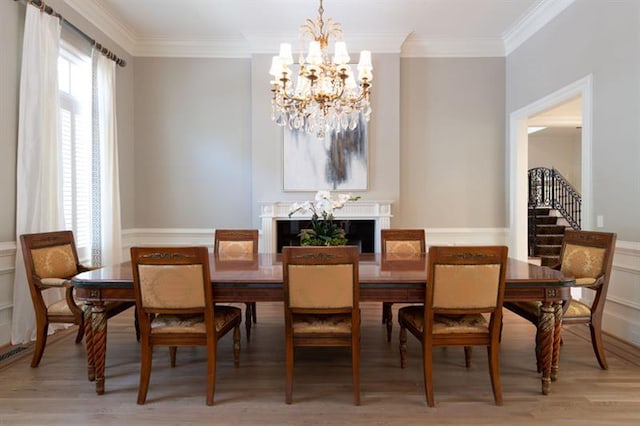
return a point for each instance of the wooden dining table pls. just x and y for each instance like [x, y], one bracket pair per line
[382, 279]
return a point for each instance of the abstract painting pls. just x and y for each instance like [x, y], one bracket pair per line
[337, 162]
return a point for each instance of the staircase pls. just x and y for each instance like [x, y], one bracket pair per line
[554, 205]
[546, 235]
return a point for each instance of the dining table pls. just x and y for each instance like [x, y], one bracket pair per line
[382, 278]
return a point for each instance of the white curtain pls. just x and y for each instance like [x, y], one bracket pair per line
[104, 117]
[39, 199]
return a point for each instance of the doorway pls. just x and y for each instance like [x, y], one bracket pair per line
[518, 159]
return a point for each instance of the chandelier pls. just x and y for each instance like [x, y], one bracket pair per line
[326, 97]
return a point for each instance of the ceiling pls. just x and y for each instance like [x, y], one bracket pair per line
[239, 28]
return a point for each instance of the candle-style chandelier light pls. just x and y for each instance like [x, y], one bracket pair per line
[325, 97]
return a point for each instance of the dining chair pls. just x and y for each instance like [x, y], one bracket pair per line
[399, 244]
[51, 260]
[464, 286]
[321, 296]
[175, 305]
[588, 256]
[238, 245]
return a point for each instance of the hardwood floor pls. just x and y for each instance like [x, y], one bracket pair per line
[58, 392]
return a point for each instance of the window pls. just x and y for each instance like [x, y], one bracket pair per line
[74, 83]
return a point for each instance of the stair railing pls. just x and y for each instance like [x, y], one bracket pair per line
[548, 188]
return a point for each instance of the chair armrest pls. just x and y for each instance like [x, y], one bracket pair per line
[84, 268]
[54, 282]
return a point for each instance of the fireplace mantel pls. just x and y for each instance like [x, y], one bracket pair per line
[270, 212]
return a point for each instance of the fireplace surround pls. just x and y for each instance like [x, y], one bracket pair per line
[353, 213]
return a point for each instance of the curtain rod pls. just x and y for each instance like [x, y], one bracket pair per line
[48, 9]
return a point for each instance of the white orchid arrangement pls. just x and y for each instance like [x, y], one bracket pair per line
[323, 232]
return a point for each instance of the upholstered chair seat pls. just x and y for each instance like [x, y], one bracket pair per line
[575, 309]
[322, 324]
[442, 324]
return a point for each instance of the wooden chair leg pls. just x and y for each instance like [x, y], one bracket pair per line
[427, 356]
[211, 372]
[247, 319]
[172, 355]
[254, 313]
[136, 324]
[493, 352]
[236, 346]
[80, 333]
[355, 368]
[403, 346]
[598, 348]
[289, 359]
[42, 328]
[146, 353]
[538, 357]
[468, 350]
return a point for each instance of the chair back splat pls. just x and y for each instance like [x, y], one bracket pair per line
[321, 297]
[399, 245]
[238, 245]
[465, 285]
[175, 305]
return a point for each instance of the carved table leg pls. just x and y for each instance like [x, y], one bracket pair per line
[99, 325]
[88, 339]
[557, 328]
[546, 334]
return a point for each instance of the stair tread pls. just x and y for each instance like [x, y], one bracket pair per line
[549, 245]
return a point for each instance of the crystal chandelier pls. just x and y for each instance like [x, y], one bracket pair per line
[325, 98]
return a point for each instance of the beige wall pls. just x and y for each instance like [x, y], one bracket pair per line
[453, 144]
[11, 28]
[192, 150]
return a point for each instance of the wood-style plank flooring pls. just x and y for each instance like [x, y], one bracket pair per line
[58, 393]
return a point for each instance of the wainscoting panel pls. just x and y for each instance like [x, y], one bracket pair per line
[165, 237]
[622, 310]
[466, 236]
[7, 268]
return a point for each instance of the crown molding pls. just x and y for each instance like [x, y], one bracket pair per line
[230, 47]
[106, 22]
[539, 14]
[269, 43]
[452, 48]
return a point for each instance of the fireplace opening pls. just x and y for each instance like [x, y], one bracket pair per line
[359, 232]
